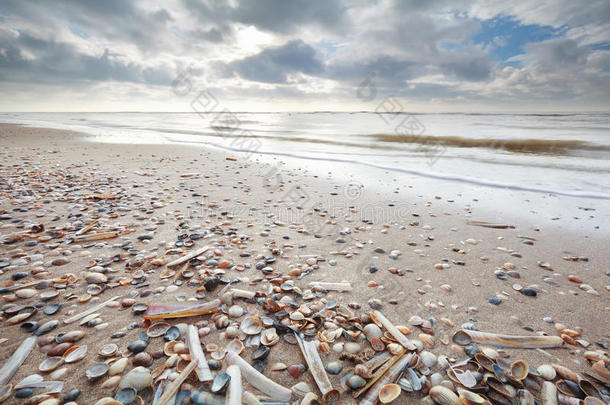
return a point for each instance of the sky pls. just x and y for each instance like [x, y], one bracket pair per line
[282, 55]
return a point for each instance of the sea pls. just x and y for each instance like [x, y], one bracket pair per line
[562, 154]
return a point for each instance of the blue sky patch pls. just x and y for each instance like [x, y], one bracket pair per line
[506, 36]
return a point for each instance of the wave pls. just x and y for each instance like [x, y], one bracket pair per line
[533, 146]
[422, 173]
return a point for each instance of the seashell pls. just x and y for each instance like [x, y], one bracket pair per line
[126, 395]
[295, 370]
[334, 367]
[138, 378]
[96, 371]
[602, 369]
[484, 361]
[589, 389]
[50, 364]
[108, 350]
[471, 398]
[594, 401]
[118, 366]
[427, 358]
[47, 327]
[142, 359]
[172, 333]
[139, 308]
[220, 383]
[443, 396]
[565, 373]
[301, 389]
[395, 348]
[355, 382]
[372, 331]
[5, 392]
[235, 311]
[51, 309]
[29, 326]
[112, 382]
[59, 349]
[416, 321]
[20, 317]
[157, 329]
[235, 346]
[27, 381]
[352, 347]
[108, 401]
[73, 336]
[547, 372]
[519, 370]
[377, 344]
[310, 399]
[548, 393]
[58, 374]
[137, 346]
[94, 289]
[278, 367]
[48, 295]
[269, 337]
[26, 293]
[389, 393]
[251, 325]
[95, 278]
[75, 354]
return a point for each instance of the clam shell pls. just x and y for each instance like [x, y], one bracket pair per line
[138, 378]
[108, 350]
[471, 398]
[519, 370]
[443, 396]
[251, 325]
[118, 366]
[96, 371]
[594, 401]
[235, 346]
[74, 355]
[50, 364]
[126, 395]
[172, 333]
[48, 295]
[547, 372]
[602, 369]
[389, 393]
[157, 329]
[112, 382]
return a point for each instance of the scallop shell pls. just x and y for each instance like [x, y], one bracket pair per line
[50, 364]
[75, 353]
[388, 393]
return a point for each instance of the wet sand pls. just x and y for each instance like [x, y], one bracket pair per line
[50, 171]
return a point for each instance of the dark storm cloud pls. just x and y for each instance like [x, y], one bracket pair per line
[30, 59]
[275, 64]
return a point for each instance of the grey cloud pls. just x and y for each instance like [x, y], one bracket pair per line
[275, 64]
[32, 59]
[466, 67]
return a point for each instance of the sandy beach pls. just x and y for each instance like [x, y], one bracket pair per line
[413, 254]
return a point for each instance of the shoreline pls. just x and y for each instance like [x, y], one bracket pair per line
[201, 186]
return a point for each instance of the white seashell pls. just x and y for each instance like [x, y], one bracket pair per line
[547, 372]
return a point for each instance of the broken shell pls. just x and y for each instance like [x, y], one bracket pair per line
[519, 370]
[602, 369]
[269, 337]
[96, 371]
[50, 364]
[388, 393]
[235, 346]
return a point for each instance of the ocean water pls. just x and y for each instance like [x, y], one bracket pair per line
[563, 154]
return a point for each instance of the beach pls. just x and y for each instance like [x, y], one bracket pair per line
[452, 253]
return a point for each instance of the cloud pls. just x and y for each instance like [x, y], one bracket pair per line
[277, 64]
[292, 50]
[31, 59]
